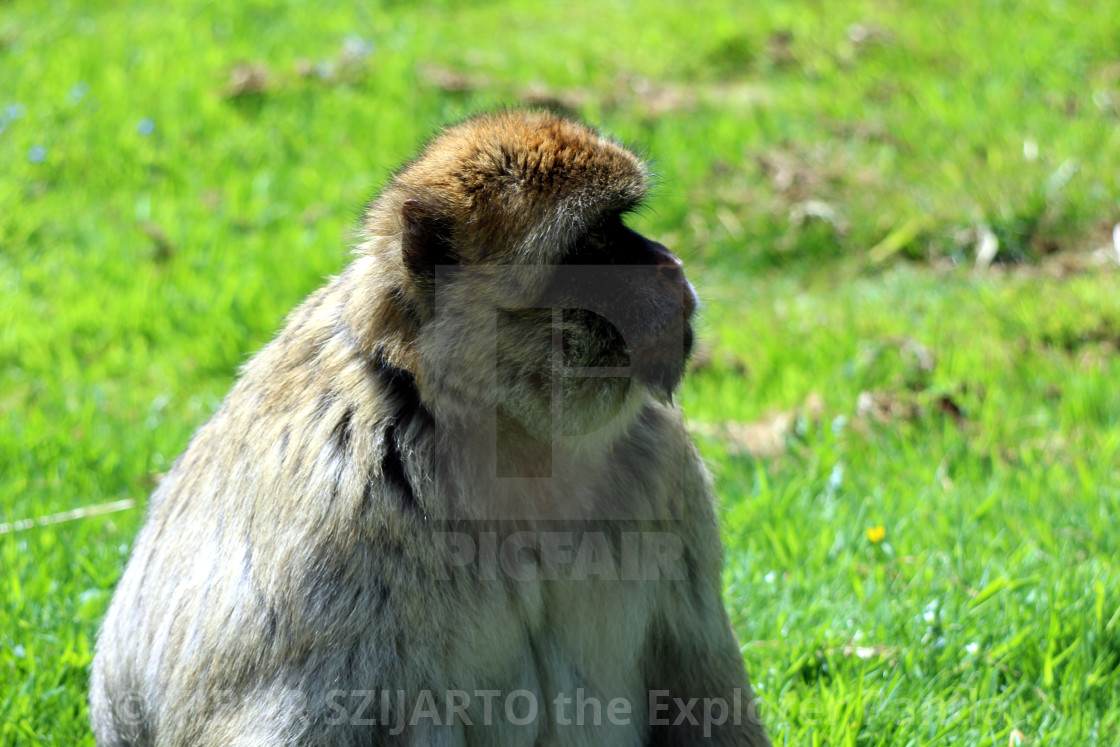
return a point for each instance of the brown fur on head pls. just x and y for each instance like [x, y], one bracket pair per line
[511, 187]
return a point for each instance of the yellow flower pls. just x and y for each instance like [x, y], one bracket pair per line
[876, 534]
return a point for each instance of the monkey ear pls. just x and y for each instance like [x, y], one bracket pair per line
[424, 243]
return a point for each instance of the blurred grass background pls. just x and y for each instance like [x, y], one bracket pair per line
[900, 216]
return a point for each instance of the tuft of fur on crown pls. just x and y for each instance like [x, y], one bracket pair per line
[514, 184]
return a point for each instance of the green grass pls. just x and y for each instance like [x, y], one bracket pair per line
[826, 169]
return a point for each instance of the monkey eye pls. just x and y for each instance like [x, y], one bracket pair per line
[596, 245]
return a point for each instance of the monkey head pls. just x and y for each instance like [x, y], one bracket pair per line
[505, 244]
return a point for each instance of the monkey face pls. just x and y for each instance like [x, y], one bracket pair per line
[609, 322]
[565, 348]
[627, 304]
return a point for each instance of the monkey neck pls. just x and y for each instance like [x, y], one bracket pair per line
[499, 470]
